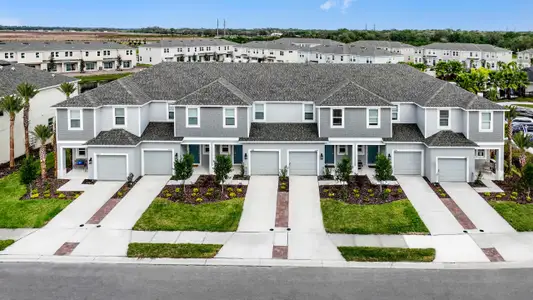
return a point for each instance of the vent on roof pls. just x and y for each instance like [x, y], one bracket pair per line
[53, 75]
[86, 42]
[25, 43]
[12, 68]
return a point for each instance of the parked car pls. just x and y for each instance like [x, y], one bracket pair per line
[521, 121]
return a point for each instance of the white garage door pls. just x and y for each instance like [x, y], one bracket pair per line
[407, 163]
[452, 169]
[158, 162]
[302, 163]
[111, 167]
[264, 163]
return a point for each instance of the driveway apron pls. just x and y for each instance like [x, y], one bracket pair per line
[476, 208]
[259, 212]
[438, 219]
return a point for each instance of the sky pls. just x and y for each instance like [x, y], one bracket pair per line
[305, 14]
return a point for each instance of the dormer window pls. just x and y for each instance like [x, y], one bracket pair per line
[259, 112]
[309, 112]
[395, 114]
[170, 109]
[444, 119]
[119, 116]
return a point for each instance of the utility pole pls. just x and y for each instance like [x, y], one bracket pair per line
[224, 27]
[217, 27]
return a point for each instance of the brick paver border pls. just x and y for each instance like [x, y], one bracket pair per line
[104, 211]
[458, 213]
[282, 210]
[66, 249]
[280, 252]
[492, 254]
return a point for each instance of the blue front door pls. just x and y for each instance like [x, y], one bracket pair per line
[372, 154]
[195, 151]
[237, 154]
[330, 155]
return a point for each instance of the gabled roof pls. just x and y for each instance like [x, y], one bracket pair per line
[405, 133]
[160, 131]
[11, 75]
[352, 94]
[448, 138]
[59, 46]
[114, 137]
[218, 92]
[279, 132]
[465, 47]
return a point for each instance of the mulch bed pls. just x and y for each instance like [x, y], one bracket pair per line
[326, 178]
[47, 189]
[439, 191]
[361, 191]
[123, 191]
[510, 192]
[477, 184]
[5, 170]
[239, 177]
[204, 190]
[89, 181]
[283, 184]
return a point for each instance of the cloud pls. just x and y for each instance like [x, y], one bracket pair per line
[346, 4]
[328, 4]
[10, 22]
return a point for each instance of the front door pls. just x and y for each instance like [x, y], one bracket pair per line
[330, 155]
[195, 151]
[237, 154]
[372, 154]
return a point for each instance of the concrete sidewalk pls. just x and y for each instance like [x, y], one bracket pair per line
[476, 208]
[83, 208]
[131, 208]
[438, 219]
[259, 211]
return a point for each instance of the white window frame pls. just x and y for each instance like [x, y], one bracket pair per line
[255, 110]
[397, 113]
[115, 116]
[491, 128]
[206, 149]
[331, 117]
[170, 109]
[222, 152]
[449, 119]
[224, 125]
[187, 125]
[312, 111]
[368, 117]
[70, 119]
[339, 150]
[362, 152]
[82, 155]
[477, 156]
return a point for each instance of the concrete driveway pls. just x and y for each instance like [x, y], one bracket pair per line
[259, 212]
[438, 219]
[476, 208]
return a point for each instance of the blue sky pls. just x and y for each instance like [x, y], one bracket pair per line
[323, 14]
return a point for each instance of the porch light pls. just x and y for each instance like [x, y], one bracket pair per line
[389, 156]
[245, 156]
[321, 156]
[90, 160]
[176, 155]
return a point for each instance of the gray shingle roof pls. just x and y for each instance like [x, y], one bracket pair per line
[351, 94]
[218, 92]
[280, 82]
[405, 133]
[191, 43]
[279, 132]
[114, 137]
[160, 131]
[11, 75]
[465, 47]
[352, 50]
[380, 44]
[448, 138]
[59, 46]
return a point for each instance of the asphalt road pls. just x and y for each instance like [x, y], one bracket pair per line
[84, 281]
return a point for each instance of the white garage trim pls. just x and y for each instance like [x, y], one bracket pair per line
[302, 150]
[262, 150]
[154, 150]
[95, 163]
[451, 157]
[422, 158]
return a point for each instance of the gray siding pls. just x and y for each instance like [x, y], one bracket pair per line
[338, 157]
[408, 113]
[431, 161]
[145, 116]
[456, 121]
[421, 119]
[132, 119]
[355, 124]
[284, 154]
[158, 112]
[498, 128]
[391, 148]
[211, 123]
[63, 134]
[134, 159]
[284, 112]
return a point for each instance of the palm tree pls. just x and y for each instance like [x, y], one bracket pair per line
[68, 89]
[27, 91]
[12, 105]
[523, 142]
[510, 115]
[43, 133]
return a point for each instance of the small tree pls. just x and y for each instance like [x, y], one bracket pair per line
[383, 169]
[43, 133]
[527, 178]
[51, 65]
[184, 168]
[343, 171]
[222, 168]
[28, 172]
[82, 66]
[119, 62]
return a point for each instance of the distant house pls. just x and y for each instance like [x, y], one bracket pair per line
[530, 75]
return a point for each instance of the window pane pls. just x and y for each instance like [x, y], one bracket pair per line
[119, 112]
[193, 112]
[337, 113]
[337, 121]
[230, 112]
[171, 115]
[75, 114]
[75, 123]
[230, 121]
[309, 116]
[259, 115]
[444, 114]
[309, 108]
[193, 121]
[485, 117]
[120, 121]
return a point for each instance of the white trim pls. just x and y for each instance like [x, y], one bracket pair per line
[225, 152]
[449, 119]
[338, 149]
[248, 120]
[169, 106]
[140, 121]
[409, 151]
[281, 142]
[156, 150]
[264, 112]
[365, 141]
[477, 157]
[187, 116]
[69, 119]
[491, 129]
[449, 157]
[202, 140]
[495, 144]
[398, 113]
[312, 111]
[468, 125]
[94, 122]
[331, 117]
[78, 152]
[224, 125]
[115, 125]
[208, 149]
[318, 123]
[305, 151]
[262, 150]
[425, 121]
[363, 152]
[95, 163]
[368, 126]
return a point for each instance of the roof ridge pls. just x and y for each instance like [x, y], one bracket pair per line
[128, 90]
[235, 90]
[371, 92]
[436, 93]
[195, 91]
[336, 89]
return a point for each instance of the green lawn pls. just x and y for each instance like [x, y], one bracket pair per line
[15, 213]
[144, 65]
[398, 217]
[5, 243]
[103, 77]
[525, 105]
[145, 250]
[519, 99]
[374, 254]
[520, 216]
[170, 216]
